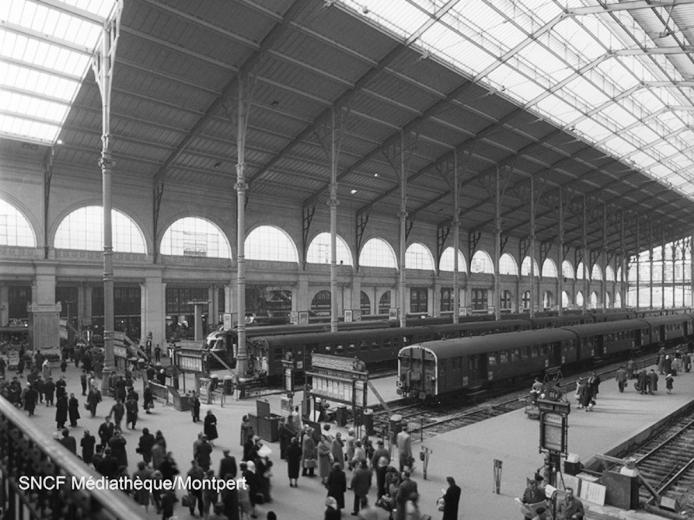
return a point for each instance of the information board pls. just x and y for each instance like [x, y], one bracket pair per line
[553, 433]
[189, 363]
[329, 362]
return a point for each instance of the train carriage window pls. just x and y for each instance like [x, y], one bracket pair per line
[492, 360]
[503, 357]
[534, 351]
[525, 352]
[515, 354]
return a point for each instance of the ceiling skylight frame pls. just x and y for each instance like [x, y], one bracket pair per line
[646, 87]
[52, 43]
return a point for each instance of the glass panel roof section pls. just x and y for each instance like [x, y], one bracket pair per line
[45, 54]
[614, 72]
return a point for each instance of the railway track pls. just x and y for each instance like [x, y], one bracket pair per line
[666, 462]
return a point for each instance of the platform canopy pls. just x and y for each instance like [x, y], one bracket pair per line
[589, 96]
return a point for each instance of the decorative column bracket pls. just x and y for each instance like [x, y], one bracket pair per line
[308, 212]
[473, 238]
[523, 248]
[504, 242]
[408, 227]
[594, 255]
[362, 220]
[565, 250]
[545, 249]
[442, 232]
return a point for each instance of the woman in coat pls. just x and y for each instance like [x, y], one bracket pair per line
[210, 427]
[246, 429]
[308, 454]
[293, 461]
[61, 407]
[324, 458]
[337, 485]
[73, 407]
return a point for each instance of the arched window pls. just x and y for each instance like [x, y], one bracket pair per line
[579, 299]
[364, 303]
[525, 267]
[597, 273]
[270, 243]
[320, 305]
[377, 253]
[319, 250]
[619, 275]
[617, 300]
[84, 229]
[608, 301]
[525, 300]
[547, 300]
[567, 270]
[418, 256]
[15, 229]
[593, 300]
[609, 274]
[549, 269]
[506, 303]
[508, 265]
[195, 236]
[384, 303]
[565, 300]
[446, 263]
[581, 271]
[481, 263]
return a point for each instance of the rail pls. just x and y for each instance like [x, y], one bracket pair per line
[25, 451]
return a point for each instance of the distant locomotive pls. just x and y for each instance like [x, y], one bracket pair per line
[434, 368]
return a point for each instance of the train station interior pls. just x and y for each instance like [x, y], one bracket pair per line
[394, 172]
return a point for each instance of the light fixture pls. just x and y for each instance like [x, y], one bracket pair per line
[352, 191]
[59, 141]
[375, 174]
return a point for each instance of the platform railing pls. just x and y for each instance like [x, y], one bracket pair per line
[37, 475]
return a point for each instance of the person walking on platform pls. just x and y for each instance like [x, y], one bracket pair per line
[106, 431]
[337, 485]
[379, 464]
[652, 382]
[145, 445]
[451, 500]
[210, 427]
[61, 410]
[360, 485]
[117, 411]
[68, 441]
[93, 399]
[571, 508]
[246, 429]
[404, 443]
[308, 454]
[195, 407]
[405, 490]
[669, 380]
[293, 462]
[642, 382]
[87, 443]
[227, 466]
[621, 378]
[73, 407]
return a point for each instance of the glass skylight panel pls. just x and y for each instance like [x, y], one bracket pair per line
[37, 38]
[619, 145]
[556, 108]
[619, 115]
[554, 67]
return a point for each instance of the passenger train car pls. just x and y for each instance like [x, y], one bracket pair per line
[434, 368]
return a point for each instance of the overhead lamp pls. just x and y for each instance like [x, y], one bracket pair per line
[352, 191]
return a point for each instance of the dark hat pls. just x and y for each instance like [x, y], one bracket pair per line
[538, 477]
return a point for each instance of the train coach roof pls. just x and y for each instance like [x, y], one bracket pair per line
[607, 327]
[654, 321]
[344, 336]
[484, 325]
[453, 348]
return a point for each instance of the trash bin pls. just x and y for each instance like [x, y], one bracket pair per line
[341, 415]
[395, 426]
[368, 419]
[228, 385]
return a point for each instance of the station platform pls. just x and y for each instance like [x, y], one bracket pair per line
[467, 454]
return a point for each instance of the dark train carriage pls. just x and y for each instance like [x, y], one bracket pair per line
[599, 340]
[670, 327]
[545, 322]
[479, 328]
[438, 367]
[376, 347]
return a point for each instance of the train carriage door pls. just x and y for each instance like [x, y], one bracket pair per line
[554, 354]
[476, 372]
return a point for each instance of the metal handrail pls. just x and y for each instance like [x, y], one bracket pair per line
[25, 450]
